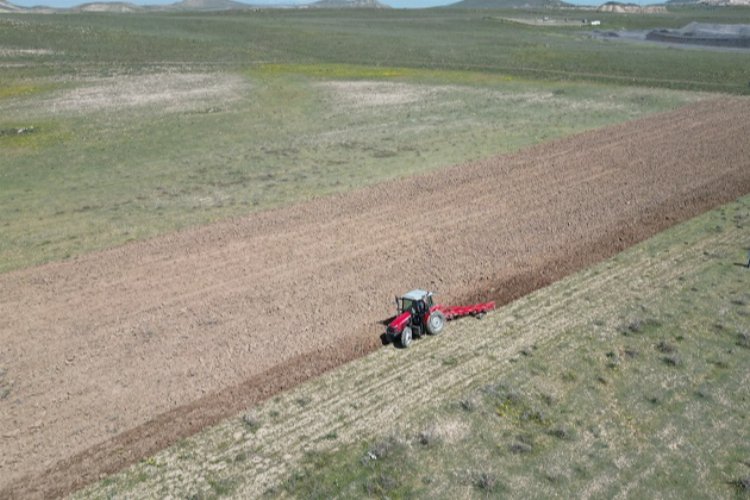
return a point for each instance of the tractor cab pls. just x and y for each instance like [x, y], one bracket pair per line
[414, 301]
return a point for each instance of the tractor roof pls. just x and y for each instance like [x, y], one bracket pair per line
[416, 294]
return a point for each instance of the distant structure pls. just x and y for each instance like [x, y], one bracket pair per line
[716, 35]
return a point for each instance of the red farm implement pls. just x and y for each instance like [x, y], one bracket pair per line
[418, 315]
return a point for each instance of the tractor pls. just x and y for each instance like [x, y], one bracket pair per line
[417, 314]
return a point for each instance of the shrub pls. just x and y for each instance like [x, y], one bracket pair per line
[672, 360]
[743, 339]
[251, 421]
[742, 485]
[665, 347]
[486, 481]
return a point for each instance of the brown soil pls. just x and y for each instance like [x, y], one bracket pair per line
[117, 354]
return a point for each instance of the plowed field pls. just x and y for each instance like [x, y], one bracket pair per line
[112, 356]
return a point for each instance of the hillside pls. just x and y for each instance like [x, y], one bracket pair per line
[206, 5]
[338, 4]
[631, 8]
[713, 3]
[107, 7]
[9, 7]
[194, 6]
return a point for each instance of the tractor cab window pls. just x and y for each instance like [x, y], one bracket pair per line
[406, 305]
[419, 306]
[428, 301]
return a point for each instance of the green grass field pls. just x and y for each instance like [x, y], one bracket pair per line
[628, 379]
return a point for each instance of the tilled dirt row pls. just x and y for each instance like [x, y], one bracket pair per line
[114, 355]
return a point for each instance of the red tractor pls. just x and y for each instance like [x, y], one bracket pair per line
[418, 315]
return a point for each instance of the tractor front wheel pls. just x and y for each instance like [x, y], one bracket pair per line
[406, 337]
[436, 323]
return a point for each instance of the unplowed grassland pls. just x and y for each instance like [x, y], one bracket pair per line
[102, 161]
[629, 378]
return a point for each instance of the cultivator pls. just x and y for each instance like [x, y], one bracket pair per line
[418, 315]
[477, 310]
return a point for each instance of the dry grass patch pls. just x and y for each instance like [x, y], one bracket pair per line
[163, 92]
[12, 52]
[366, 94]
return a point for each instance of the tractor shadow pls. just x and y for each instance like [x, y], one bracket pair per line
[384, 338]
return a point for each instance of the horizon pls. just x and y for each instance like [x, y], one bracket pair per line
[396, 4]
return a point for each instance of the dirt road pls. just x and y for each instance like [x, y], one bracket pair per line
[114, 355]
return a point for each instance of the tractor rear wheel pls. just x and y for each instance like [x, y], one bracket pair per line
[406, 337]
[436, 323]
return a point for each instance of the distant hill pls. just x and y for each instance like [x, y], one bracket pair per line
[194, 6]
[715, 3]
[339, 4]
[9, 7]
[205, 5]
[505, 4]
[631, 8]
[107, 7]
